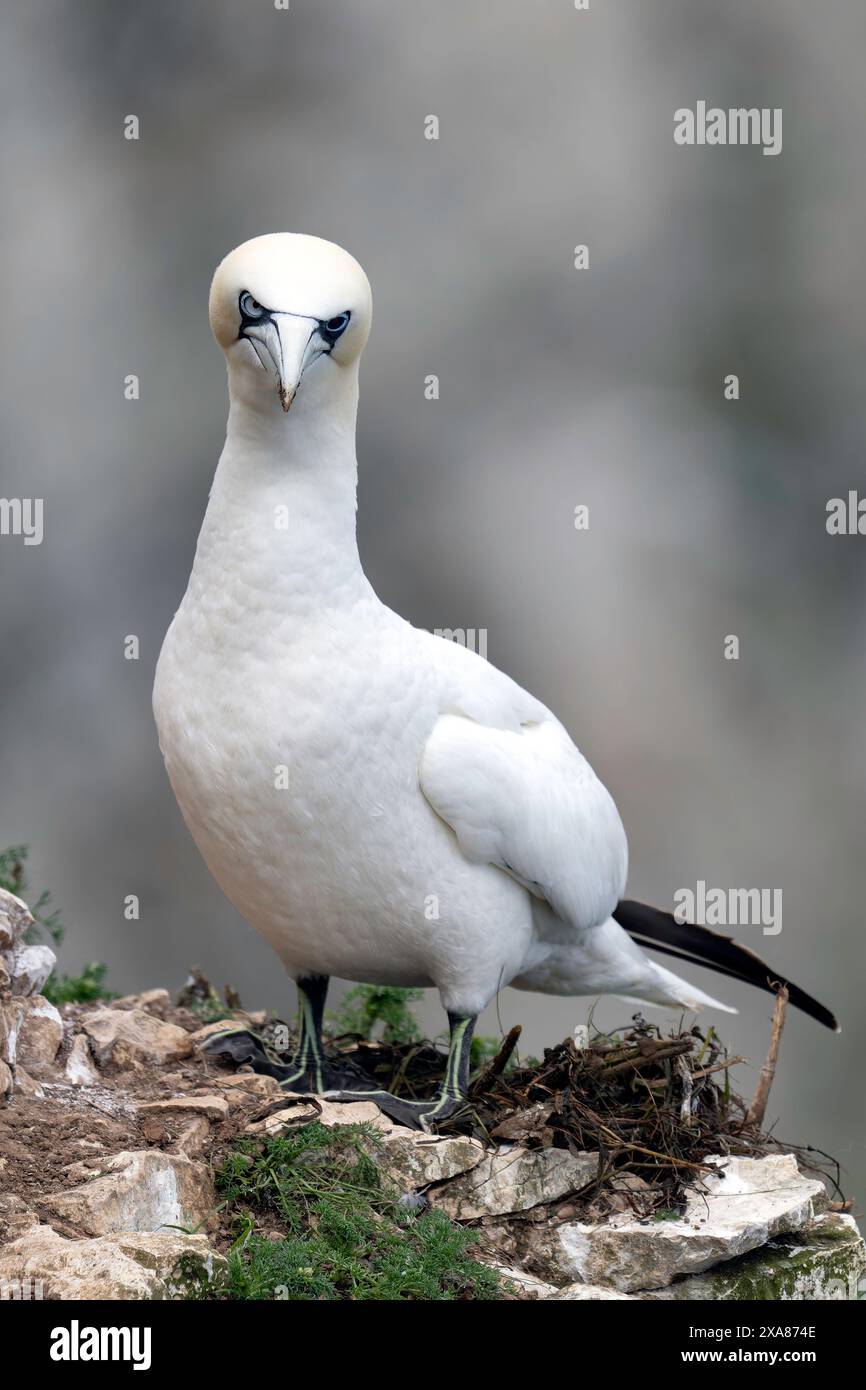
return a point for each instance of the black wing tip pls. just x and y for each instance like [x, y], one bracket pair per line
[661, 931]
[820, 1014]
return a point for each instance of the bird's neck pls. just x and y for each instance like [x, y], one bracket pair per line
[278, 538]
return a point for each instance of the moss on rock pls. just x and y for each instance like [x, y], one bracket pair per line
[826, 1261]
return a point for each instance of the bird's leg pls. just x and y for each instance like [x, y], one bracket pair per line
[309, 1071]
[426, 1114]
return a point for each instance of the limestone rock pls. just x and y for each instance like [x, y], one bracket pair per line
[148, 999]
[513, 1180]
[357, 1112]
[80, 1070]
[528, 1283]
[15, 1217]
[137, 1190]
[209, 1030]
[587, 1293]
[304, 1109]
[15, 920]
[11, 1018]
[39, 1036]
[737, 1209]
[30, 967]
[192, 1138]
[6, 1082]
[27, 1085]
[252, 1097]
[139, 1266]
[184, 1119]
[250, 1082]
[133, 1038]
[825, 1262]
[414, 1160]
[210, 1107]
[411, 1160]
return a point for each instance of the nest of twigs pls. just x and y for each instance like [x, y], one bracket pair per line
[654, 1106]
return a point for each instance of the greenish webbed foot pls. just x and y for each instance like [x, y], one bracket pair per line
[309, 1072]
[243, 1047]
[425, 1115]
[304, 1073]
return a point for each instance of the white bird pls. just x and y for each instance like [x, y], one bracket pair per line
[380, 804]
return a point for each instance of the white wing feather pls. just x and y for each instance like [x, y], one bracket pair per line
[526, 800]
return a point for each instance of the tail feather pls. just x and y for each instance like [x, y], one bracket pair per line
[660, 931]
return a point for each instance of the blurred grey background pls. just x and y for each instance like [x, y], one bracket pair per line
[558, 387]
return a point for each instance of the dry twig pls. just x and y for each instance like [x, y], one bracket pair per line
[757, 1109]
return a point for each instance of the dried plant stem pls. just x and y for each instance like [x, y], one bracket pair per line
[497, 1066]
[757, 1109]
[686, 1078]
[653, 1153]
[650, 1057]
[663, 1084]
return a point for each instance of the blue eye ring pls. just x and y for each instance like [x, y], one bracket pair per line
[250, 307]
[332, 328]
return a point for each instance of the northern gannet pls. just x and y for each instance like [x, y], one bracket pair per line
[379, 803]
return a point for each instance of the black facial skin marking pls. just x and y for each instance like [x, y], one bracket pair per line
[329, 329]
[332, 329]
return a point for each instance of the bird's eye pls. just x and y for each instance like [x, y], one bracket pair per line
[335, 326]
[250, 308]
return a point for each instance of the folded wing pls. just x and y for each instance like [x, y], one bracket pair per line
[526, 800]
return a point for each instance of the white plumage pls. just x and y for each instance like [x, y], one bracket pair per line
[439, 827]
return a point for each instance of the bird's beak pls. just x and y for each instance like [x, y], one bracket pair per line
[285, 345]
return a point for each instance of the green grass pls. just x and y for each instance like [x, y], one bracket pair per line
[366, 1007]
[345, 1234]
[79, 989]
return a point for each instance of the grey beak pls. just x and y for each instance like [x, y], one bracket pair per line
[285, 346]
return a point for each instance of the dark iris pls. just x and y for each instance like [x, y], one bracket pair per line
[335, 326]
[250, 308]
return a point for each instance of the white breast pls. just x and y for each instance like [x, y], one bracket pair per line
[298, 777]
